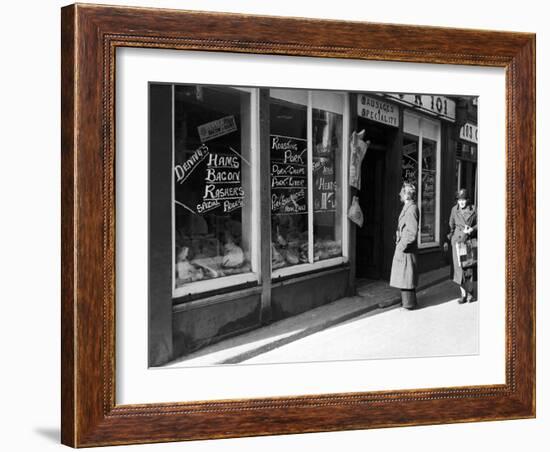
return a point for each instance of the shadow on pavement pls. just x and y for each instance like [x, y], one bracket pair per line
[374, 297]
[430, 298]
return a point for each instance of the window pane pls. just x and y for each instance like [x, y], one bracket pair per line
[289, 187]
[411, 123]
[326, 170]
[212, 177]
[409, 169]
[428, 191]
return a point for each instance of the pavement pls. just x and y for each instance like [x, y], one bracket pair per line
[370, 325]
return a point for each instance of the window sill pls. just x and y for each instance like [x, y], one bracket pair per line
[305, 275]
[247, 284]
[228, 294]
[214, 286]
[294, 270]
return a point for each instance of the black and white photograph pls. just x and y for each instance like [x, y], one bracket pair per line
[289, 225]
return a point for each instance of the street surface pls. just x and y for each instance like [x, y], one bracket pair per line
[371, 325]
[442, 327]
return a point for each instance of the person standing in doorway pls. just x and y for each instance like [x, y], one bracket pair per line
[463, 226]
[404, 274]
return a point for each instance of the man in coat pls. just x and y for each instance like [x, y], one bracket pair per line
[404, 274]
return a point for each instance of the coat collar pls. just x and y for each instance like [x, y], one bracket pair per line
[406, 207]
[466, 213]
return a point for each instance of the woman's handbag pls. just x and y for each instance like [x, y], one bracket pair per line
[467, 253]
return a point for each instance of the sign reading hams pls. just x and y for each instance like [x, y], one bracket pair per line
[218, 181]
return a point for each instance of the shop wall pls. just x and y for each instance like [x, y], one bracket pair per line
[213, 320]
[301, 294]
[448, 177]
[160, 228]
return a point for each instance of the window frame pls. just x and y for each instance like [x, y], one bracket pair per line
[421, 121]
[292, 270]
[254, 276]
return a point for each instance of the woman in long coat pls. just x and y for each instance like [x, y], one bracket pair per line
[404, 274]
[463, 225]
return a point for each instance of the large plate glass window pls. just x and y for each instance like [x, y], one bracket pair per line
[421, 167]
[288, 128]
[307, 130]
[214, 172]
[326, 172]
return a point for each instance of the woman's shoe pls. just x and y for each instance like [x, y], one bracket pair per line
[470, 298]
[462, 300]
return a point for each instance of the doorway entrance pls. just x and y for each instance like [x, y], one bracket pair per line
[370, 238]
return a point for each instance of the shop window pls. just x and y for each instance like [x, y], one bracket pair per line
[289, 180]
[326, 169]
[427, 193]
[216, 184]
[306, 156]
[409, 168]
[420, 166]
[214, 167]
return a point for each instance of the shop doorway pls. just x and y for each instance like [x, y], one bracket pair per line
[370, 238]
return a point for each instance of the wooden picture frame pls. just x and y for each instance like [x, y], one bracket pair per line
[90, 37]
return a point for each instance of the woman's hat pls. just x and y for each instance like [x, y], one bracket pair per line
[462, 194]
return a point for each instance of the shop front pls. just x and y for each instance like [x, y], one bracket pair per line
[257, 229]
[411, 140]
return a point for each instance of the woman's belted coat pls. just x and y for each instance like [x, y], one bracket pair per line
[404, 274]
[458, 219]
